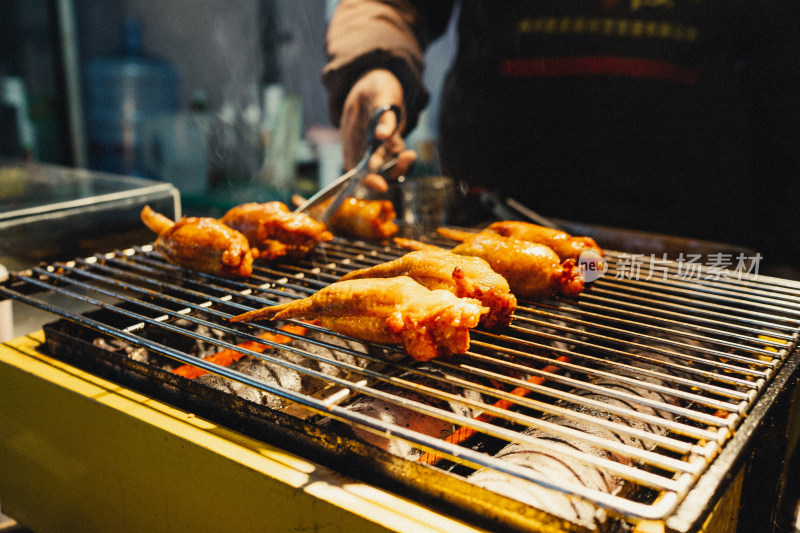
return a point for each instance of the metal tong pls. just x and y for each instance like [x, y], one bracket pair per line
[345, 185]
[510, 209]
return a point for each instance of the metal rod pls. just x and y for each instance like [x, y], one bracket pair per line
[620, 336]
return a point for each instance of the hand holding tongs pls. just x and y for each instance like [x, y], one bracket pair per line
[345, 185]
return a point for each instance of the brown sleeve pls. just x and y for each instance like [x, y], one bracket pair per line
[367, 34]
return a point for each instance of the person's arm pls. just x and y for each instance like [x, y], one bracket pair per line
[375, 58]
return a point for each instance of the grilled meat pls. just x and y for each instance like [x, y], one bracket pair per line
[388, 310]
[274, 232]
[201, 243]
[464, 276]
[371, 220]
[532, 270]
[365, 219]
[562, 243]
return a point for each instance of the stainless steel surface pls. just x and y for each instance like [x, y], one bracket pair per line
[703, 348]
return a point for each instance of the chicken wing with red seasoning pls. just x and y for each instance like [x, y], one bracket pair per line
[396, 310]
[371, 220]
[464, 276]
[562, 243]
[201, 243]
[532, 270]
[274, 232]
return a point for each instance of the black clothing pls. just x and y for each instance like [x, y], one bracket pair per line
[676, 116]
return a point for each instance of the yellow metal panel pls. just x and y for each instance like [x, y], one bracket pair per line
[78, 453]
[724, 517]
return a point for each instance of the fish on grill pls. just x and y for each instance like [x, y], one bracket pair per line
[464, 276]
[428, 323]
[274, 232]
[532, 270]
[561, 242]
[201, 243]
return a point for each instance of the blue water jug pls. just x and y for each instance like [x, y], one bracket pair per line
[125, 91]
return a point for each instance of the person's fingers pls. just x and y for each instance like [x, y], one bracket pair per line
[386, 126]
[405, 159]
[375, 182]
[297, 200]
[375, 89]
[394, 144]
[353, 136]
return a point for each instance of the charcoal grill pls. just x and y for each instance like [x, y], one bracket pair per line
[665, 371]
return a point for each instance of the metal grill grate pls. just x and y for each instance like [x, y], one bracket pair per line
[642, 379]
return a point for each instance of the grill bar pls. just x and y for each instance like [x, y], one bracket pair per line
[709, 337]
[690, 315]
[490, 430]
[429, 444]
[675, 427]
[623, 379]
[658, 323]
[658, 405]
[664, 442]
[675, 363]
[705, 374]
[716, 281]
[732, 312]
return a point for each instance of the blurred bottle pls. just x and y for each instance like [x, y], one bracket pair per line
[280, 163]
[124, 92]
[174, 146]
[236, 144]
[424, 141]
[21, 135]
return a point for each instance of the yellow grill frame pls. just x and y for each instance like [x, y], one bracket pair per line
[79, 453]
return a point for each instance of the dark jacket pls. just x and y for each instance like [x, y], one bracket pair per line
[677, 116]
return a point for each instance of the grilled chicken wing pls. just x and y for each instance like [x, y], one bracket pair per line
[562, 243]
[201, 243]
[532, 270]
[464, 276]
[371, 220]
[274, 232]
[388, 310]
